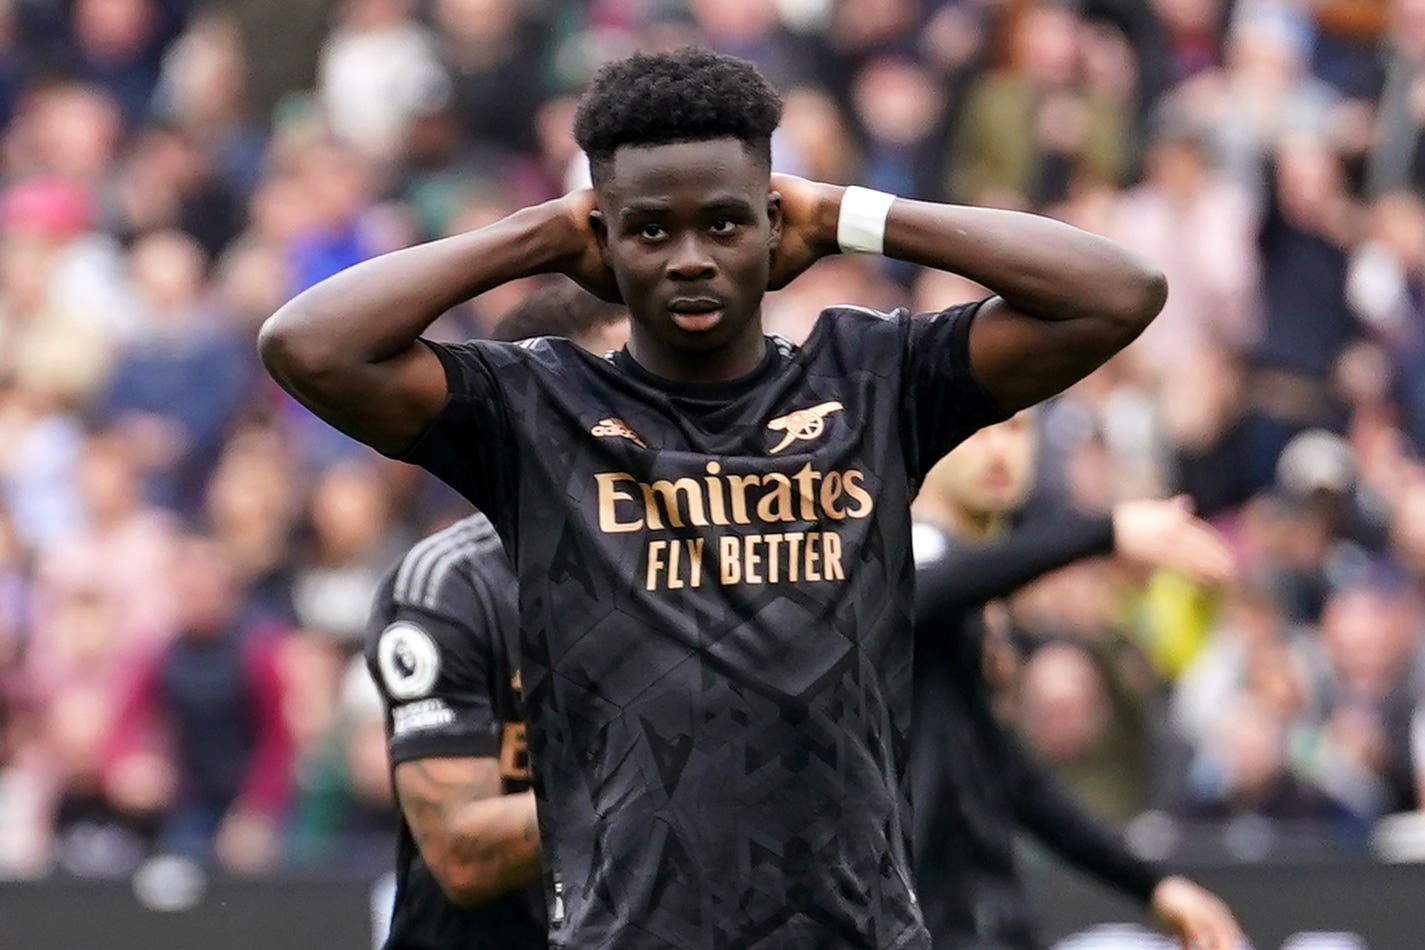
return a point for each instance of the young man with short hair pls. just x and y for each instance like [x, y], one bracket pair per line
[711, 529]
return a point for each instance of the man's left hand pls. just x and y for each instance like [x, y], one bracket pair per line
[809, 215]
[1196, 915]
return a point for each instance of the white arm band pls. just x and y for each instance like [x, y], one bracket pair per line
[861, 225]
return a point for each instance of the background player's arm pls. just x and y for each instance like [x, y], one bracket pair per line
[478, 843]
[1149, 532]
[1043, 807]
[969, 575]
[1066, 300]
[347, 348]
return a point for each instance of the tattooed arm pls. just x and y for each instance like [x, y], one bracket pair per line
[478, 843]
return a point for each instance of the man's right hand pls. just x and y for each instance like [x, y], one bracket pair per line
[585, 261]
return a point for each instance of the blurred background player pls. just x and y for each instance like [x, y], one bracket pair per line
[974, 783]
[443, 652]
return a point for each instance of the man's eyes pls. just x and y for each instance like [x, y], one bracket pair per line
[721, 227]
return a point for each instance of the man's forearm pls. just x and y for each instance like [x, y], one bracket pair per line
[1051, 813]
[1065, 300]
[377, 308]
[1038, 266]
[478, 843]
[493, 846]
[347, 348]
[969, 575]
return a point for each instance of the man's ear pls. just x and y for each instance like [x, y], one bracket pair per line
[601, 234]
[774, 218]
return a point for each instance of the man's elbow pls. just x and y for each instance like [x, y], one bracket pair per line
[290, 354]
[1138, 299]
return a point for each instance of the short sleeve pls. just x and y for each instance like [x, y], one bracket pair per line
[469, 446]
[943, 403]
[437, 679]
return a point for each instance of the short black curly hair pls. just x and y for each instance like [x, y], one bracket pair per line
[688, 95]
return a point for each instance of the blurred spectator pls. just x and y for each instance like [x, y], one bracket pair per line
[1386, 291]
[67, 300]
[1346, 49]
[119, 44]
[1199, 226]
[252, 508]
[337, 186]
[1398, 162]
[1365, 687]
[346, 799]
[1032, 128]
[39, 445]
[352, 543]
[752, 30]
[1309, 224]
[178, 381]
[215, 692]
[1191, 34]
[168, 181]
[493, 53]
[1249, 654]
[1069, 718]
[813, 140]
[104, 826]
[378, 71]
[65, 128]
[123, 545]
[897, 103]
[1262, 91]
[203, 92]
[1242, 770]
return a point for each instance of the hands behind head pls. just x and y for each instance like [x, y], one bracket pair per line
[1196, 915]
[583, 262]
[1165, 534]
[808, 213]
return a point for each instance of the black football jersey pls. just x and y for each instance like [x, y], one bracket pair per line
[715, 590]
[441, 650]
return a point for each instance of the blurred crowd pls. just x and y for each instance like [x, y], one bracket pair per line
[187, 556]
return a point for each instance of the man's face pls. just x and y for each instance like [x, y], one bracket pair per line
[991, 472]
[687, 229]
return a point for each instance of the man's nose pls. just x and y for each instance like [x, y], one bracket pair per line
[690, 260]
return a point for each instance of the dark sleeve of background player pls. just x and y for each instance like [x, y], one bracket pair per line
[968, 576]
[469, 445]
[1047, 810]
[464, 687]
[942, 403]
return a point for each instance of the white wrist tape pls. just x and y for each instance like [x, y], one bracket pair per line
[861, 225]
